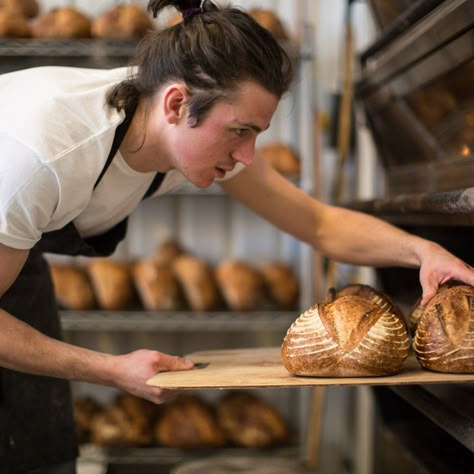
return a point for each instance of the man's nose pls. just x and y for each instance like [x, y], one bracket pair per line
[245, 154]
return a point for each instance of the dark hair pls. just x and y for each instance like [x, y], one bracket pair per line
[212, 50]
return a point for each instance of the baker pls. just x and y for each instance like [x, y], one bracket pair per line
[79, 150]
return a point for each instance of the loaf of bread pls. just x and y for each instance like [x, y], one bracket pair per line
[85, 409]
[241, 284]
[156, 285]
[25, 8]
[112, 283]
[250, 422]
[444, 339]
[128, 421]
[13, 25]
[282, 284]
[197, 281]
[417, 309]
[63, 22]
[282, 158]
[348, 337]
[167, 252]
[270, 21]
[122, 21]
[188, 422]
[72, 287]
[379, 298]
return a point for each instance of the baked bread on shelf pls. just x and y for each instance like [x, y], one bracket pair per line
[188, 422]
[270, 21]
[84, 410]
[349, 336]
[166, 252]
[444, 339]
[112, 283]
[72, 287]
[127, 21]
[62, 22]
[282, 158]
[127, 422]
[197, 281]
[25, 8]
[13, 25]
[281, 283]
[241, 285]
[156, 285]
[251, 422]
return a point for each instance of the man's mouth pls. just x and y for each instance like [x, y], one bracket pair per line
[220, 172]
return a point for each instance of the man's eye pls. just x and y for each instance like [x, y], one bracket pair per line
[240, 131]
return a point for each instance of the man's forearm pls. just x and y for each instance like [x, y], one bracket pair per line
[24, 349]
[360, 239]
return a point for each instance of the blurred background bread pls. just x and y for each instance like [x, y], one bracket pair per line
[122, 21]
[13, 24]
[73, 288]
[282, 158]
[25, 8]
[63, 22]
[270, 21]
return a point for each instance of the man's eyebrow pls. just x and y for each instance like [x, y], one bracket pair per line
[252, 126]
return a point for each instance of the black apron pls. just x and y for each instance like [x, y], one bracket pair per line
[36, 420]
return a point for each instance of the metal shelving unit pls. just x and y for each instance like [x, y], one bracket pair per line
[177, 321]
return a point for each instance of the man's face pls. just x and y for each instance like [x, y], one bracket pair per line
[225, 137]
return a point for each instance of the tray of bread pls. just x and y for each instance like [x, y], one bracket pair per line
[357, 336]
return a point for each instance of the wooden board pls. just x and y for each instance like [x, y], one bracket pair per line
[262, 367]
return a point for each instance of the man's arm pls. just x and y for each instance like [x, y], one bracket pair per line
[24, 349]
[342, 234]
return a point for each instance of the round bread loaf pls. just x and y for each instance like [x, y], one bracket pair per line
[281, 157]
[242, 285]
[13, 25]
[112, 282]
[156, 285]
[250, 422]
[64, 22]
[188, 422]
[270, 21]
[281, 283]
[197, 281]
[122, 21]
[349, 337]
[72, 287]
[444, 339]
[26, 8]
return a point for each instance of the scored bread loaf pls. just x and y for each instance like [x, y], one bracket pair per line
[156, 285]
[62, 22]
[348, 337]
[122, 21]
[241, 285]
[112, 283]
[197, 282]
[444, 339]
[250, 421]
[72, 287]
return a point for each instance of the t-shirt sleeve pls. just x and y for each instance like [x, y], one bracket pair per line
[29, 194]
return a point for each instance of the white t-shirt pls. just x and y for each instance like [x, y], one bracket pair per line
[56, 132]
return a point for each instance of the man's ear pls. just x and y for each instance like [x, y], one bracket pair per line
[174, 102]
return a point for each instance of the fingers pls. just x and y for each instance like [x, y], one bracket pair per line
[168, 362]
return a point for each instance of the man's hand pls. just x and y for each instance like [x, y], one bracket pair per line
[439, 266]
[135, 368]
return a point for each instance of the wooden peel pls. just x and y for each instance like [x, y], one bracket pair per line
[262, 367]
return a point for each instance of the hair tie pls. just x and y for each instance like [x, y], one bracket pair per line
[190, 12]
